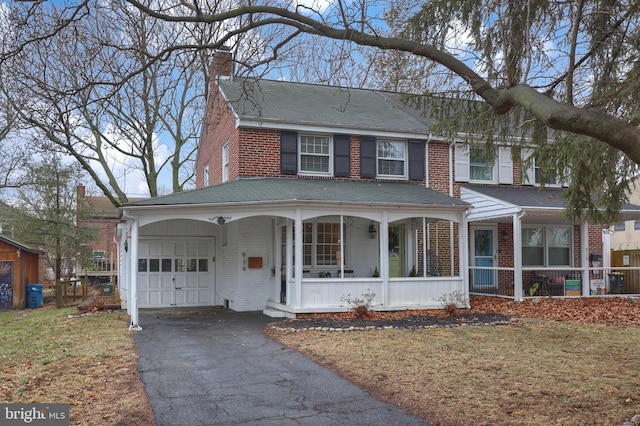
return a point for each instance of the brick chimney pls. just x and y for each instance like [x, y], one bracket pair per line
[80, 191]
[222, 65]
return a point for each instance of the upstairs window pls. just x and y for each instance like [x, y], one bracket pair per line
[315, 154]
[205, 175]
[392, 159]
[541, 176]
[475, 164]
[482, 166]
[225, 162]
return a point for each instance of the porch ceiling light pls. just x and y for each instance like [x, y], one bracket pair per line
[372, 231]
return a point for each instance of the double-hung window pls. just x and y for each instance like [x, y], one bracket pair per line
[225, 162]
[541, 176]
[482, 166]
[392, 159]
[546, 246]
[320, 245]
[315, 155]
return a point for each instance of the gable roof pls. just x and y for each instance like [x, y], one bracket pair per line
[275, 190]
[274, 103]
[20, 245]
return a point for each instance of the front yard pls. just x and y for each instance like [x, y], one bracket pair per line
[577, 363]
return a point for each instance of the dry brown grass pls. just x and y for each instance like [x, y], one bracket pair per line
[529, 373]
[88, 363]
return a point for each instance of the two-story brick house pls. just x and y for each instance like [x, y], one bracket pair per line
[310, 197]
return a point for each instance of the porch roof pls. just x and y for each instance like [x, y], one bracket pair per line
[496, 202]
[264, 190]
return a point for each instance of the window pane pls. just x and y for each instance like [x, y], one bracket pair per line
[191, 265]
[558, 237]
[532, 237]
[166, 265]
[391, 158]
[142, 265]
[314, 153]
[559, 256]
[180, 265]
[154, 265]
[203, 265]
[481, 165]
[532, 256]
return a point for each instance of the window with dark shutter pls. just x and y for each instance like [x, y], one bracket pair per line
[367, 156]
[288, 152]
[416, 159]
[342, 153]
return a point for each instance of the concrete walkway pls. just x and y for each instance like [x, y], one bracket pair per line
[216, 367]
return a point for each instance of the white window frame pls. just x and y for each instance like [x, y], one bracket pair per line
[405, 159]
[328, 156]
[546, 247]
[494, 168]
[314, 244]
[205, 175]
[225, 162]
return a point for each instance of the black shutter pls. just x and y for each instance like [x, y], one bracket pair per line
[341, 155]
[416, 159]
[367, 157]
[288, 152]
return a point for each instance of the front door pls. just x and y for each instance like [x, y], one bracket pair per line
[396, 251]
[484, 255]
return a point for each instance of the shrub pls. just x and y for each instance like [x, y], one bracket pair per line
[360, 306]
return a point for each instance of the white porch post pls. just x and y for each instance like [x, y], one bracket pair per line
[584, 238]
[341, 246]
[133, 275]
[288, 268]
[277, 261]
[384, 257]
[425, 246]
[299, 259]
[463, 250]
[517, 258]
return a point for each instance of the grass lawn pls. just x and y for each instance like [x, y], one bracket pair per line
[87, 362]
[527, 373]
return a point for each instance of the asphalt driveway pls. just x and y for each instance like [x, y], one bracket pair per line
[216, 367]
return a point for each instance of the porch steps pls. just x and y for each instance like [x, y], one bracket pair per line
[276, 313]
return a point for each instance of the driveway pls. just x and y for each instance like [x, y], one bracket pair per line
[216, 367]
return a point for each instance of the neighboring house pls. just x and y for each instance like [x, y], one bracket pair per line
[101, 215]
[19, 266]
[311, 197]
[626, 234]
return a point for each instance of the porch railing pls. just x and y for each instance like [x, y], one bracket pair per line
[555, 282]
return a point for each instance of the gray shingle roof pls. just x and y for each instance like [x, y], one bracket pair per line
[300, 103]
[533, 197]
[256, 190]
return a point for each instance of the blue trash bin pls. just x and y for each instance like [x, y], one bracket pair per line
[34, 295]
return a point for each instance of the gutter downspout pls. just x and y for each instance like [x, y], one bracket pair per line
[451, 242]
[133, 273]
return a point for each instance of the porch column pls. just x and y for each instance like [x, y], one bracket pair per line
[517, 258]
[584, 258]
[425, 247]
[289, 262]
[384, 257]
[299, 258]
[277, 258]
[463, 250]
[133, 275]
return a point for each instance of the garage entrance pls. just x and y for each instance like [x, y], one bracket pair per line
[175, 273]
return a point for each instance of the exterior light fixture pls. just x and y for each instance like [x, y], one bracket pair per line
[372, 231]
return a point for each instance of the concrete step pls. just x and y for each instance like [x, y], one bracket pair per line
[276, 313]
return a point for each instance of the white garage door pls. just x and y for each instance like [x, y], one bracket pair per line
[175, 273]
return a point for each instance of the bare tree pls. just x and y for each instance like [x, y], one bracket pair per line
[97, 90]
[550, 71]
